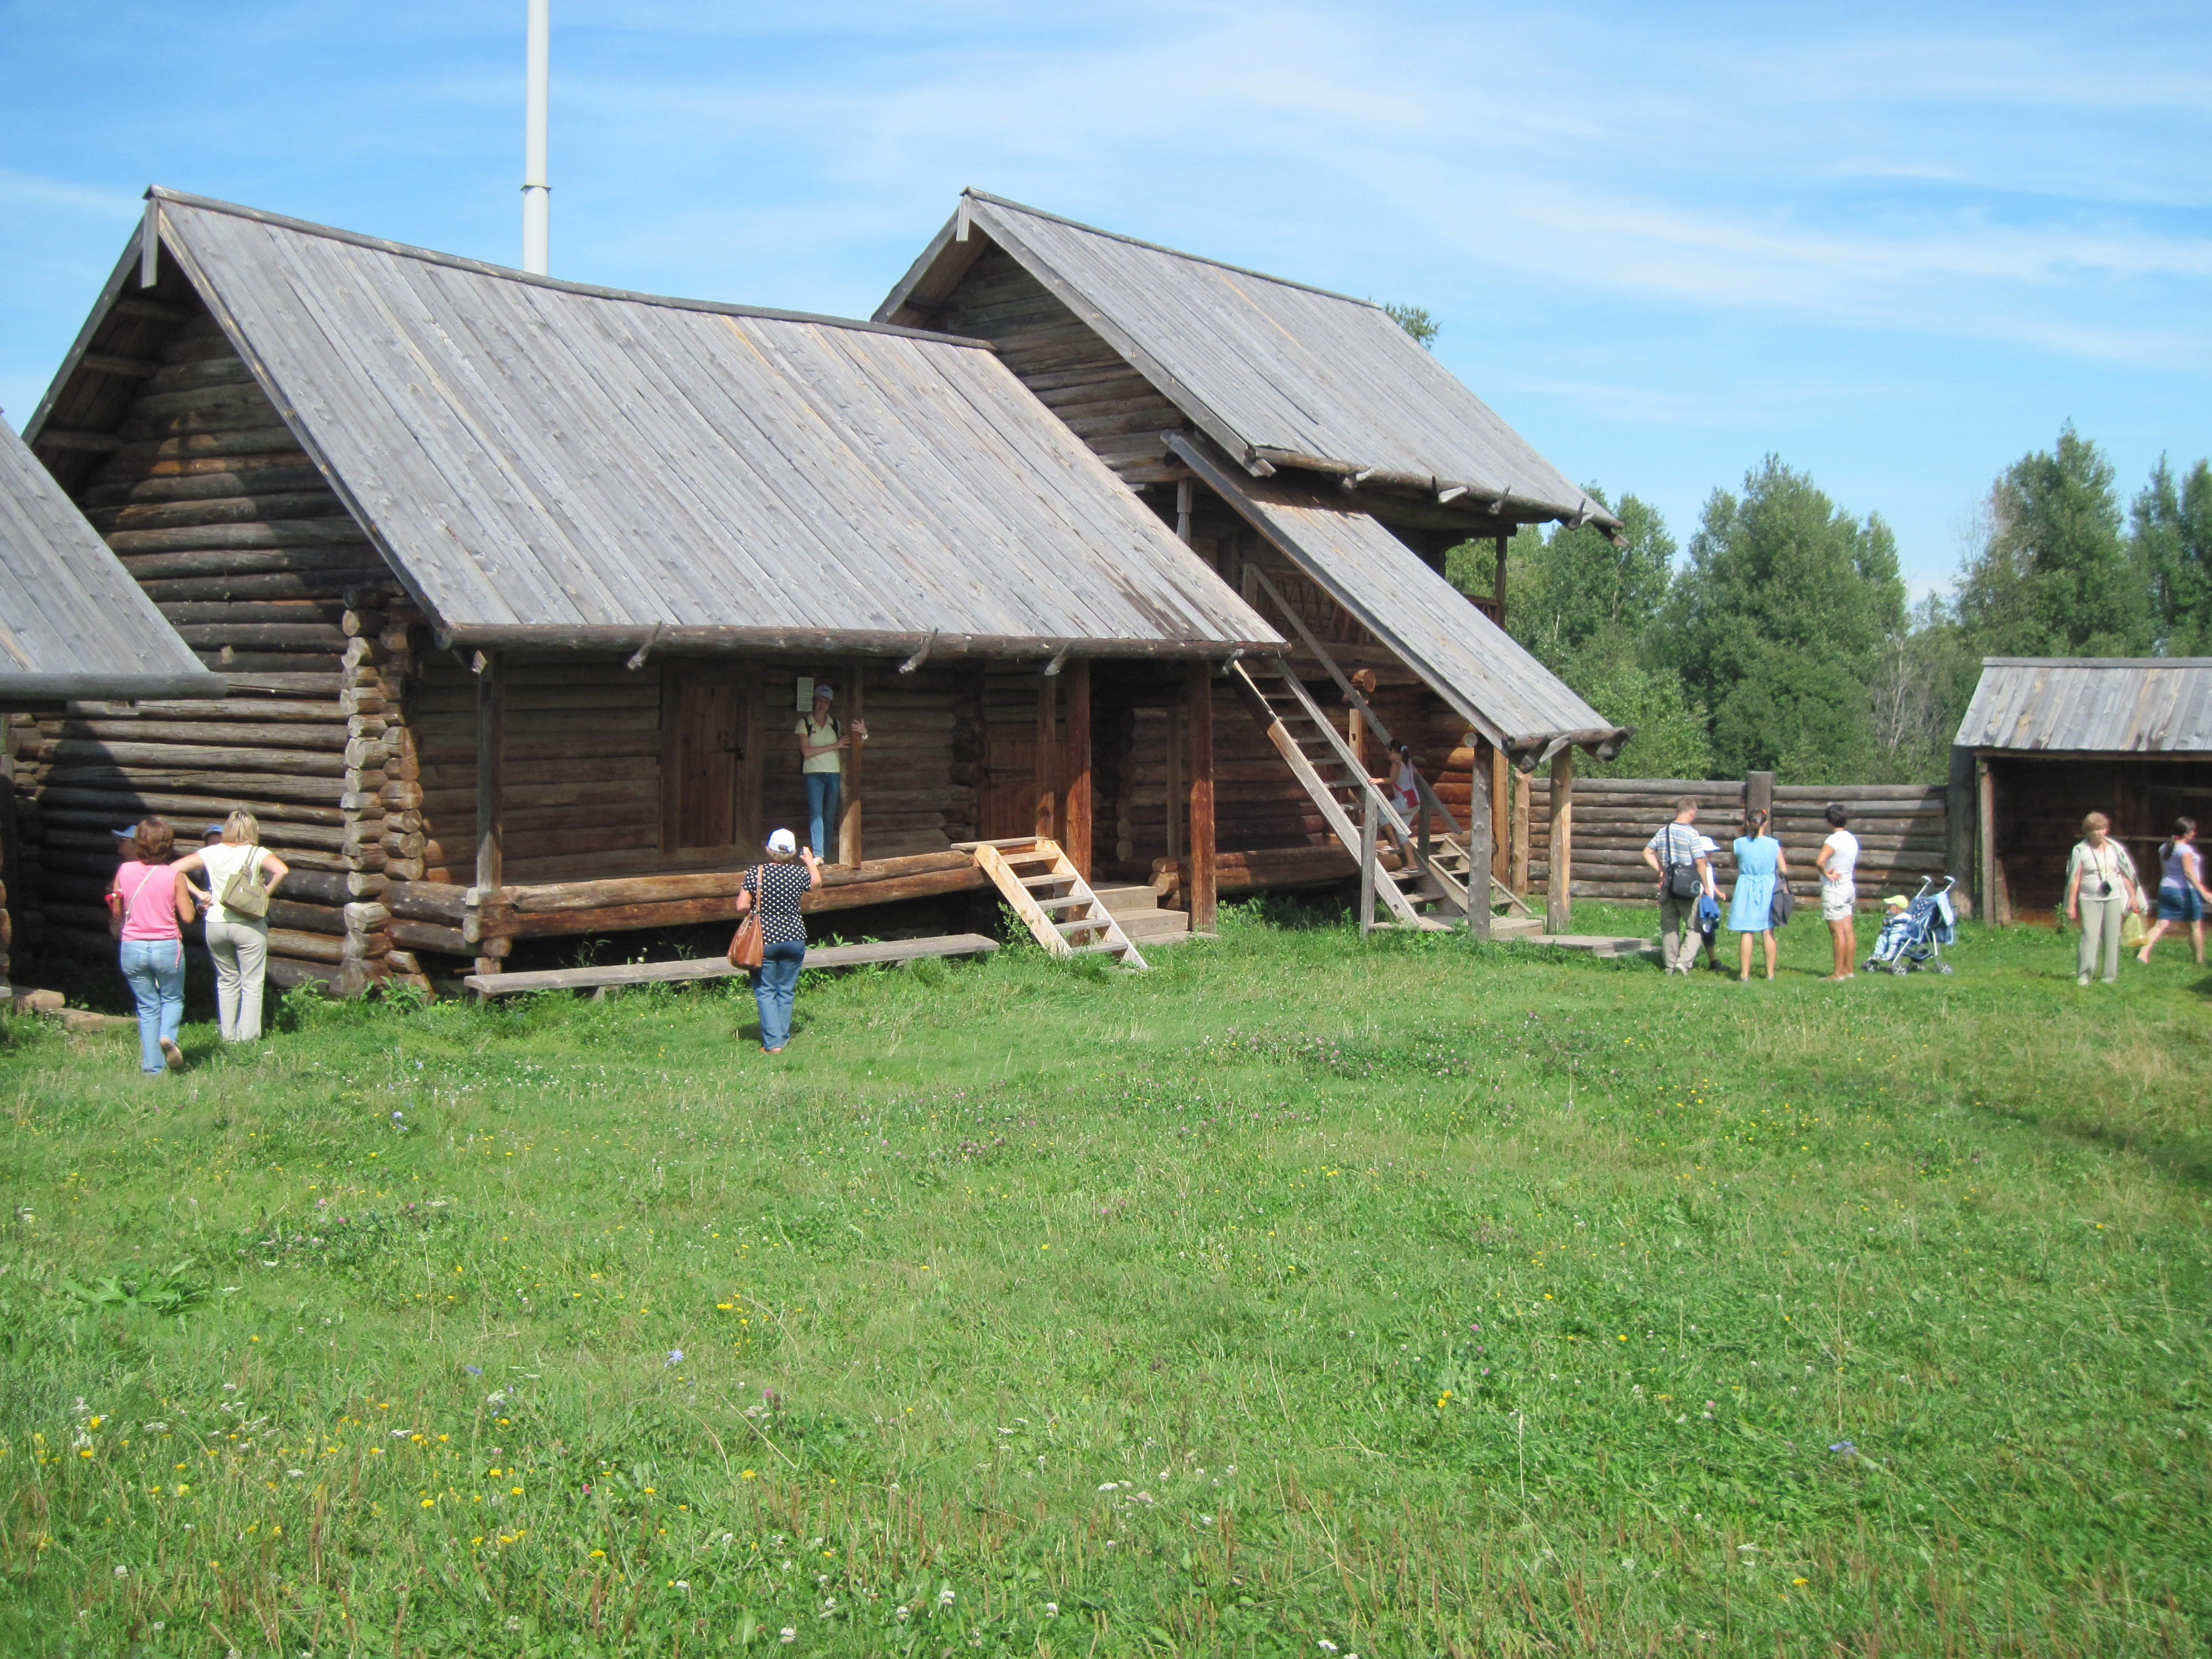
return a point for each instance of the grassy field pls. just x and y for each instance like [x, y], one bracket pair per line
[1395, 1295]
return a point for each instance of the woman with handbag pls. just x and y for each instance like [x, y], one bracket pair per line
[242, 875]
[149, 902]
[2102, 891]
[2183, 897]
[1759, 866]
[772, 941]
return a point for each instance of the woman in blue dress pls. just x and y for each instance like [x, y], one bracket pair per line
[1759, 862]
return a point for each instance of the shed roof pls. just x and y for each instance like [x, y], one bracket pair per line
[1468, 661]
[72, 622]
[546, 463]
[1275, 372]
[2091, 705]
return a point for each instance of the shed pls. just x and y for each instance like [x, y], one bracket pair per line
[1323, 462]
[516, 584]
[73, 625]
[2047, 740]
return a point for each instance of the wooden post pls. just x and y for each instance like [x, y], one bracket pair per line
[1175, 802]
[1558, 904]
[1480, 825]
[850, 849]
[491, 765]
[1501, 817]
[1517, 875]
[1077, 810]
[1759, 796]
[1498, 593]
[1204, 887]
[1047, 749]
[1182, 511]
[1366, 861]
[1959, 836]
[1985, 827]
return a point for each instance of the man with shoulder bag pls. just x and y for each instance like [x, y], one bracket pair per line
[1685, 877]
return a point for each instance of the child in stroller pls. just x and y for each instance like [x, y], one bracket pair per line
[1917, 930]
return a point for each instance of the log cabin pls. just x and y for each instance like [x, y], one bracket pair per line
[1322, 463]
[73, 628]
[515, 586]
[2047, 740]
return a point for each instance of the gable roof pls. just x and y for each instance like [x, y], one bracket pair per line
[1274, 371]
[2095, 705]
[546, 463]
[73, 625]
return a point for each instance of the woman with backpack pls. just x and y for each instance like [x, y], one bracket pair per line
[151, 903]
[1759, 865]
[242, 876]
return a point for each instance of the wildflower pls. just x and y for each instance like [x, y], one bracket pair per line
[1844, 1448]
[1052, 1609]
[945, 1596]
[675, 1358]
[121, 1572]
[789, 1634]
[903, 1614]
[1326, 1645]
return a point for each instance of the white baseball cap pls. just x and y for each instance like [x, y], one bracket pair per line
[826, 693]
[782, 841]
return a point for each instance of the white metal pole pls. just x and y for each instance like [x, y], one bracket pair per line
[535, 192]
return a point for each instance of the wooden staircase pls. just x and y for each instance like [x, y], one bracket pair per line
[1050, 895]
[1334, 779]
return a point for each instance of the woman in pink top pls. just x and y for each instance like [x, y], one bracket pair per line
[150, 901]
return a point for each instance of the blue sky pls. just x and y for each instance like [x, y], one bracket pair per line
[1897, 245]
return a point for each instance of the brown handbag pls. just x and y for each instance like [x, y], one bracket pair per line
[748, 947]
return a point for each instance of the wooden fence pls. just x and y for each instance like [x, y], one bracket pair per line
[1902, 830]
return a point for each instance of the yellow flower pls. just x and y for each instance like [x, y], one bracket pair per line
[598, 1555]
[747, 1475]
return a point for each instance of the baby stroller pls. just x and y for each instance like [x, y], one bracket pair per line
[1915, 936]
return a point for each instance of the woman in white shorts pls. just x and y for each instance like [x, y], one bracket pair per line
[1839, 893]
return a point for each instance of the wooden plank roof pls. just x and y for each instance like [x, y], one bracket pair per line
[73, 625]
[1275, 372]
[1467, 660]
[545, 463]
[2091, 705]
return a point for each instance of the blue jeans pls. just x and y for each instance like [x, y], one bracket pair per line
[155, 970]
[775, 987]
[822, 789]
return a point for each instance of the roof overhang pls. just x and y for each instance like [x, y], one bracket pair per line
[108, 688]
[868, 643]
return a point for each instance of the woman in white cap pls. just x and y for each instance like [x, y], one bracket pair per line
[823, 742]
[777, 887]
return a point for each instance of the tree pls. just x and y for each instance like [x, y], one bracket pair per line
[1921, 689]
[2173, 545]
[1776, 626]
[1416, 322]
[1581, 582]
[2052, 577]
[1671, 741]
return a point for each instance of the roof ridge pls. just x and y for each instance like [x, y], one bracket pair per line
[1161, 247]
[590, 290]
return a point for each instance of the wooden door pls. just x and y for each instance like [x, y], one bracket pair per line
[704, 752]
[1006, 806]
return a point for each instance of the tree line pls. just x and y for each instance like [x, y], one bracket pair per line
[1782, 640]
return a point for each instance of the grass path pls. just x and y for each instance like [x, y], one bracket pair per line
[1397, 1295]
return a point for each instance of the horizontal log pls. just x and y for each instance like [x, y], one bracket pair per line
[675, 886]
[423, 901]
[219, 561]
[149, 453]
[285, 734]
[183, 808]
[338, 533]
[299, 763]
[272, 786]
[530, 797]
[264, 636]
[321, 918]
[627, 918]
[213, 479]
[188, 828]
[330, 586]
[255, 709]
[288, 974]
[196, 511]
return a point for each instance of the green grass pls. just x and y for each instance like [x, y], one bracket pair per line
[1397, 1294]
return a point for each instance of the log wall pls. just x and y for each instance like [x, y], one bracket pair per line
[213, 507]
[1901, 829]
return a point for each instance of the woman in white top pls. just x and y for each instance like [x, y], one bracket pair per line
[2101, 891]
[238, 943]
[1839, 893]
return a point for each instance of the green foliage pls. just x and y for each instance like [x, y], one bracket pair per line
[1776, 626]
[1416, 322]
[1579, 583]
[2173, 542]
[1926, 677]
[168, 1292]
[1671, 740]
[1208, 1310]
[2052, 577]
